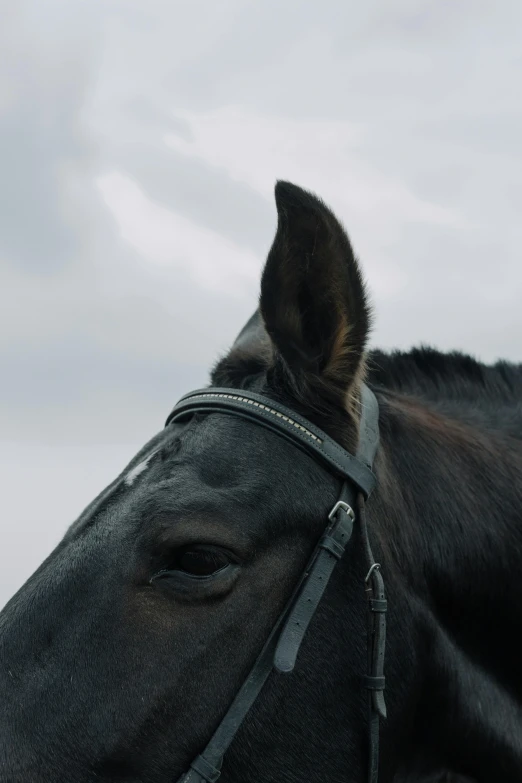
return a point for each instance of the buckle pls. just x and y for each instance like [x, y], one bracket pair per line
[344, 507]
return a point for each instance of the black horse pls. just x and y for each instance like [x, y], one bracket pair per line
[108, 673]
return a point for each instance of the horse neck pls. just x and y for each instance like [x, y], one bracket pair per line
[448, 519]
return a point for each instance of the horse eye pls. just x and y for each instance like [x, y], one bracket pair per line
[200, 561]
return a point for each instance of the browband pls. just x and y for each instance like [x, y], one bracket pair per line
[283, 421]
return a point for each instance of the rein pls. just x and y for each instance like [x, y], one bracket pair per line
[282, 646]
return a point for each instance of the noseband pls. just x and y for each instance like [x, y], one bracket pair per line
[282, 646]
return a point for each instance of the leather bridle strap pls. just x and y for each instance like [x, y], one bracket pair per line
[377, 605]
[328, 552]
[282, 646]
[206, 767]
[374, 680]
[284, 422]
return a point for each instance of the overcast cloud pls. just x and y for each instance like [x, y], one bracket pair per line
[140, 141]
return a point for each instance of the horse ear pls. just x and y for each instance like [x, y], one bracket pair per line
[313, 303]
[249, 356]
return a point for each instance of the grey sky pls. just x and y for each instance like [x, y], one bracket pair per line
[139, 145]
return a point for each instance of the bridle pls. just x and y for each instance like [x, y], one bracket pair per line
[282, 646]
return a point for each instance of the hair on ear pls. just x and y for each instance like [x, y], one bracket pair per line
[314, 303]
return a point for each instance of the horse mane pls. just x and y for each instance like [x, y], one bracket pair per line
[454, 383]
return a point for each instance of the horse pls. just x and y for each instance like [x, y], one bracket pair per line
[156, 621]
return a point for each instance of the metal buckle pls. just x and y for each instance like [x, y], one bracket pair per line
[374, 567]
[345, 507]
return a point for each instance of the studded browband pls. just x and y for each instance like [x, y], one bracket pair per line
[285, 422]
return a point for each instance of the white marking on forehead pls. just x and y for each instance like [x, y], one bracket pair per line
[138, 469]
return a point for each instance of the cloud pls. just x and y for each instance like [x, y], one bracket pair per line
[45, 59]
[323, 156]
[164, 237]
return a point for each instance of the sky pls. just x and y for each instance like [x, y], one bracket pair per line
[140, 141]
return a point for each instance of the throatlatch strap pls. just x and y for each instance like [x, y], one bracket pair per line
[374, 680]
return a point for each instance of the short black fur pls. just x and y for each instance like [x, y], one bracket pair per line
[108, 674]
